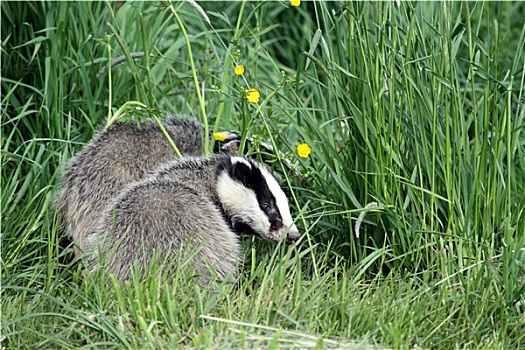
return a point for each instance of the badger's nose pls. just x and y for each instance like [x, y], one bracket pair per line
[293, 235]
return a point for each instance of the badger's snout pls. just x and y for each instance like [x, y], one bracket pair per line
[288, 234]
[292, 235]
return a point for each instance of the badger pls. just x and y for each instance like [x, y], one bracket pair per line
[206, 201]
[114, 158]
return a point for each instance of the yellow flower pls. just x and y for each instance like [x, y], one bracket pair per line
[253, 96]
[239, 70]
[295, 3]
[303, 150]
[219, 137]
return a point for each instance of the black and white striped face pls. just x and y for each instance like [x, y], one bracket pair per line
[254, 201]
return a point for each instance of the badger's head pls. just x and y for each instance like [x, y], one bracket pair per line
[254, 201]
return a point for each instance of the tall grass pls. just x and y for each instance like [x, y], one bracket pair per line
[415, 106]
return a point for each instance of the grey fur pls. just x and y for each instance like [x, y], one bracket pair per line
[114, 158]
[181, 201]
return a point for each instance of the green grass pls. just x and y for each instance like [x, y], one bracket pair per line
[416, 106]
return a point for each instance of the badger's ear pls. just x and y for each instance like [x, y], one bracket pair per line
[230, 145]
[241, 170]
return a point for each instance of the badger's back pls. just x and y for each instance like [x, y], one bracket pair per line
[114, 158]
[165, 216]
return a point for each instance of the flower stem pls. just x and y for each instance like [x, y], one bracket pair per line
[200, 95]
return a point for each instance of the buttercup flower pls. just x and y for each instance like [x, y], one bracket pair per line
[303, 150]
[219, 137]
[239, 70]
[295, 3]
[253, 96]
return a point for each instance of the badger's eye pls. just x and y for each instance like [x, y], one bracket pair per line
[266, 206]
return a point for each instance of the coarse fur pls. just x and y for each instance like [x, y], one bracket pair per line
[114, 158]
[206, 201]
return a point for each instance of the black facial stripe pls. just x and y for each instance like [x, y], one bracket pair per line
[275, 219]
[254, 179]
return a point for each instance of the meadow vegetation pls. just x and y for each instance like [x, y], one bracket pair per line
[416, 106]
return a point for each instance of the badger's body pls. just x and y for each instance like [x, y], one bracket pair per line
[114, 158]
[202, 202]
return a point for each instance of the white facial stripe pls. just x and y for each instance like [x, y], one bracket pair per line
[241, 202]
[280, 197]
